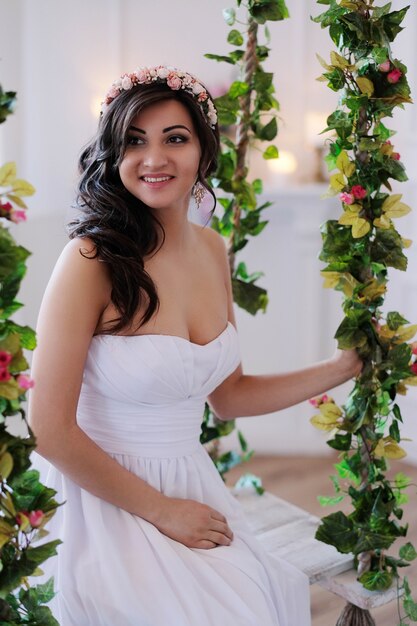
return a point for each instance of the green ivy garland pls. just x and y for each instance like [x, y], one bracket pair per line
[249, 100]
[25, 504]
[358, 249]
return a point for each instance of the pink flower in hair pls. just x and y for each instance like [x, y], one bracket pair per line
[173, 81]
[197, 88]
[142, 75]
[162, 72]
[112, 93]
[202, 97]
[126, 82]
[25, 382]
[347, 198]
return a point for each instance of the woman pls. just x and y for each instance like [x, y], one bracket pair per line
[136, 330]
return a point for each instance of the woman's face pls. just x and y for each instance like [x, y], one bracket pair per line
[163, 152]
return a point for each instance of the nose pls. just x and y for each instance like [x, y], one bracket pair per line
[155, 157]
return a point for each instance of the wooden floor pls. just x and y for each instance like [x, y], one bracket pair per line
[300, 480]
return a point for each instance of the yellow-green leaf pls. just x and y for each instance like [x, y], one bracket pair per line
[338, 61]
[324, 423]
[406, 333]
[398, 210]
[394, 451]
[337, 182]
[331, 279]
[383, 222]
[360, 228]
[348, 218]
[330, 410]
[410, 381]
[374, 289]
[391, 201]
[7, 174]
[344, 164]
[365, 85]
[7, 504]
[323, 63]
[406, 242]
[11, 343]
[4, 539]
[6, 465]
[22, 188]
[16, 200]
[10, 390]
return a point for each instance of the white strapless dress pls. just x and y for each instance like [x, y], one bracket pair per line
[142, 401]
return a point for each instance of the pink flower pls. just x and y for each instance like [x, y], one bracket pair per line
[18, 215]
[394, 76]
[414, 368]
[6, 207]
[314, 402]
[4, 375]
[25, 382]
[347, 198]
[35, 518]
[162, 72]
[113, 93]
[173, 81]
[5, 358]
[396, 156]
[127, 83]
[142, 74]
[324, 398]
[202, 97]
[358, 192]
[197, 88]
[320, 400]
[385, 66]
[414, 347]
[21, 517]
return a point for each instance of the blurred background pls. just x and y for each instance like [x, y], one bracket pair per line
[61, 57]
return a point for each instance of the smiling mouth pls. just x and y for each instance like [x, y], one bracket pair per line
[156, 179]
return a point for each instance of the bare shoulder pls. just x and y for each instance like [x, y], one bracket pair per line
[79, 280]
[215, 242]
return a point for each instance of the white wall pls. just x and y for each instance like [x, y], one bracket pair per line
[61, 57]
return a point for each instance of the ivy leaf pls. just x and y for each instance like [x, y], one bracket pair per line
[408, 552]
[269, 131]
[395, 320]
[271, 153]
[337, 530]
[376, 581]
[237, 89]
[229, 16]
[387, 248]
[330, 501]
[235, 38]
[249, 297]
[268, 10]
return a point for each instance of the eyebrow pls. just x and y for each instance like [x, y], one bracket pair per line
[165, 130]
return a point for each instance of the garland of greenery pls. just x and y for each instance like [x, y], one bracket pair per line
[358, 248]
[248, 101]
[25, 504]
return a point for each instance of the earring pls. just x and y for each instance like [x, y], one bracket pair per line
[199, 191]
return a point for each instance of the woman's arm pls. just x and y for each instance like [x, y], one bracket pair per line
[241, 395]
[77, 295]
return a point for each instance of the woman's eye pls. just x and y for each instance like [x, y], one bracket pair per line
[177, 139]
[134, 141]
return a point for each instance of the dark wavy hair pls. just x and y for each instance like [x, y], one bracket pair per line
[123, 228]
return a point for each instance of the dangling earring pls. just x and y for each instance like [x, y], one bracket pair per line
[199, 191]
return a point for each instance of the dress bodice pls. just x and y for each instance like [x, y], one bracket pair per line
[145, 394]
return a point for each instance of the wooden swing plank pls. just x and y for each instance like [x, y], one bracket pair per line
[287, 531]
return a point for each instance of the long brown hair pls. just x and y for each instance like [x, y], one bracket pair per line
[123, 228]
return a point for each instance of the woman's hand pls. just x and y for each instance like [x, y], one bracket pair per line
[348, 362]
[193, 524]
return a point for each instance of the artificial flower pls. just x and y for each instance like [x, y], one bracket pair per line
[25, 382]
[4, 375]
[18, 215]
[385, 66]
[396, 156]
[347, 198]
[35, 518]
[5, 358]
[174, 81]
[414, 368]
[358, 192]
[394, 76]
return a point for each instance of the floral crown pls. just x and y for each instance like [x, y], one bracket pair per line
[174, 78]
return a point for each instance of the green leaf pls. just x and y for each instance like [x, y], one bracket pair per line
[271, 153]
[401, 480]
[249, 297]
[267, 132]
[340, 442]
[376, 581]
[330, 501]
[235, 38]
[408, 552]
[264, 10]
[337, 530]
[395, 320]
[387, 248]
[220, 58]
[250, 480]
[237, 89]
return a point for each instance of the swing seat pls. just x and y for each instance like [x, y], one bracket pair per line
[287, 531]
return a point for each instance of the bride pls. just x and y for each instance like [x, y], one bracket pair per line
[136, 331]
